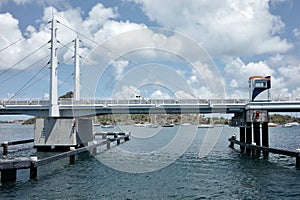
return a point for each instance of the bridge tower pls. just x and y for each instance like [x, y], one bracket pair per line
[56, 132]
[53, 109]
[76, 71]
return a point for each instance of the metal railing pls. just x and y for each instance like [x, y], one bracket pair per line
[95, 101]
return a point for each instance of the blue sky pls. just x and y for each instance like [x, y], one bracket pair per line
[151, 48]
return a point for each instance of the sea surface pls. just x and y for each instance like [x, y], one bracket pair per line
[180, 162]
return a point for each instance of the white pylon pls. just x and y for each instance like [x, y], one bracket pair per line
[53, 109]
[76, 71]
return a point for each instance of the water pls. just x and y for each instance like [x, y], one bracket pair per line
[222, 174]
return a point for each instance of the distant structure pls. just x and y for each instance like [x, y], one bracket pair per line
[258, 84]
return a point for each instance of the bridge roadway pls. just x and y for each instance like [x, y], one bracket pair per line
[90, 107]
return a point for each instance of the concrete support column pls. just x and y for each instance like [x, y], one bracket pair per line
[248, 137]
[265, 137]
[256, 133]
[242, 138]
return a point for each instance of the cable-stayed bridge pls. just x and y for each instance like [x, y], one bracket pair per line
[58, 117]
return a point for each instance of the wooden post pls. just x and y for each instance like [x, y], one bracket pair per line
[298, 159]
[242, 138]
[8, 175]
[256, 133]
[107, 143]
[72, 157]
[265, 136]
[33, 168]
[232, 143]
[94, 150]
[5, 148]
[118, 141]
[248, 137]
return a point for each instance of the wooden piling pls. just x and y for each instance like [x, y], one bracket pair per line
[72, 157]
[248, 137]
[298, 158]
[231, 145]
[107, 143]
[33, 167]
[5, 148]
[242, 138]
[265, 137]
[256, 134]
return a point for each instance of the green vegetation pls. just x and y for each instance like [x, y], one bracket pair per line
[159, 119]
[29, 121]
[172, 118]
[282, 119]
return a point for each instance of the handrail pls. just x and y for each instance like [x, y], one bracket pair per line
[95, 101]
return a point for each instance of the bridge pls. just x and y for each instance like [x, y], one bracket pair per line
[58, 117]
[69, 108]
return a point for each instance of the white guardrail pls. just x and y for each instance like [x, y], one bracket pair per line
[20, 102]
[45, 102]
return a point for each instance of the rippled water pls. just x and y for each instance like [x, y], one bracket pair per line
[222, 174]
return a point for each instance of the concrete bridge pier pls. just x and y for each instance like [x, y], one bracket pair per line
[59, 134]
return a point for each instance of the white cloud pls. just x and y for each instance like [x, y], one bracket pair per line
[238, 73]
[291, 73]
[296, 32]
[126, 92]
[229, 27]
[119, 66]
[158, 94]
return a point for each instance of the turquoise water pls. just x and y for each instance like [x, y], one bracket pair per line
[162, 163]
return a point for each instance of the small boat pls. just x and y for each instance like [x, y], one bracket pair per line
[151, 126]
[290, 124]
[167, 125]
[186, 124]
[205, 126]
[107, 126]
[140, 125]
[287, 125]
[272, 124]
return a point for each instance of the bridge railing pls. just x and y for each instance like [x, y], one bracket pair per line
[90, 101]
[150, 101]
[95, 101]
[25, 102]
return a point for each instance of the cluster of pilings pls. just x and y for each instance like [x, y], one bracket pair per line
[254, 136]
[9, 166]
[260, 137]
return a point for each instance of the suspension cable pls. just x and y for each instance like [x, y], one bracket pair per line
[23, 38]
[21, 71]
[23, 59]
[27, 83]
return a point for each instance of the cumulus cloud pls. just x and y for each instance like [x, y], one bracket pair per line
[229, 27]
[238, 73]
